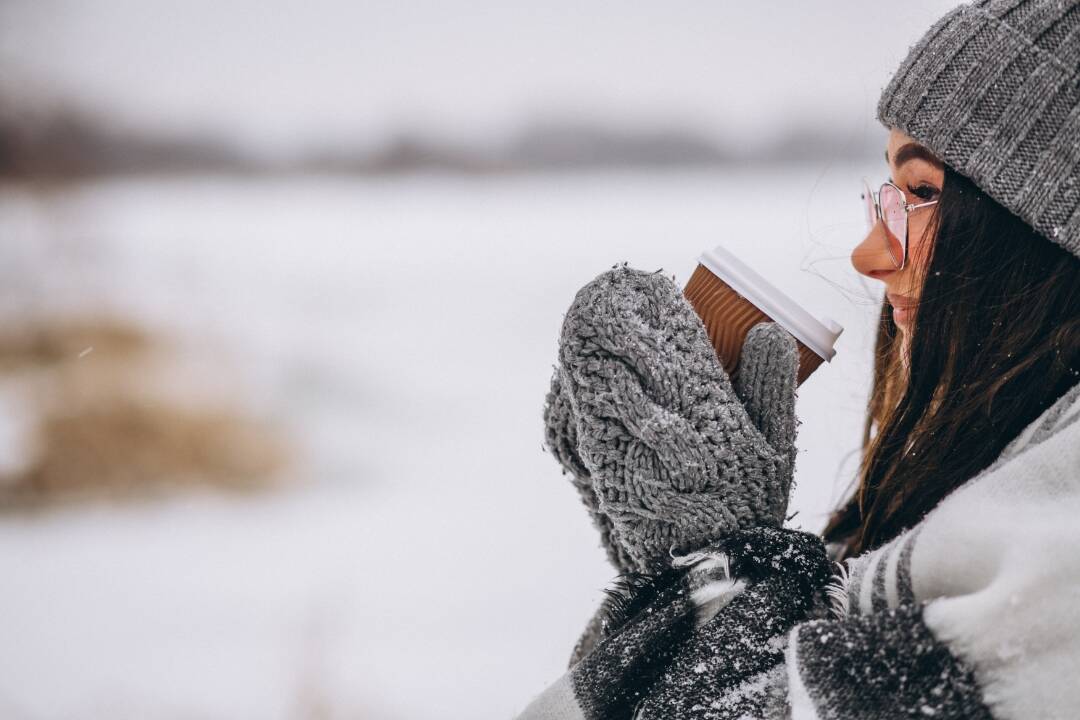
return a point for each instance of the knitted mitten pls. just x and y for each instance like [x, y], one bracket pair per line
[560, 435]
[666, 452]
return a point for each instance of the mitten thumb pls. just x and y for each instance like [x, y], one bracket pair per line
[765, 383]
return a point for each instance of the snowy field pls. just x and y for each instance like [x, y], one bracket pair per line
[430, 560]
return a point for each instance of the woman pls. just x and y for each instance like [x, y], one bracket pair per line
[957, 594]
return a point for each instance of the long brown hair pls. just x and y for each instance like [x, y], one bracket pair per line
[995, 341]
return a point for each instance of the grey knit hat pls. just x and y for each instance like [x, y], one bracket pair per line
[993, 89]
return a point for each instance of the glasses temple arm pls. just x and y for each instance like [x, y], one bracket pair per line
[910, 207]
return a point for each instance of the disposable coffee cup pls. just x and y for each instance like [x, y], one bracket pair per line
[730, 298]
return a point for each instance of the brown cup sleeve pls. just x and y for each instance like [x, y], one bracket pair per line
[728, 317]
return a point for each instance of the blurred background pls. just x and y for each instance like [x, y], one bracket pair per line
[280, 289]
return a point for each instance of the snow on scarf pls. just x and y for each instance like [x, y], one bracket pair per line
[990, 578]
[972, 613]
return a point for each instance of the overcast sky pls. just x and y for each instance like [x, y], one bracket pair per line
[275, 74]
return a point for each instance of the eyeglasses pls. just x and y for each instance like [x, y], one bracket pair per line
[888, 204]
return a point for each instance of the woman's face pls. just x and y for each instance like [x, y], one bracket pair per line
[919, 174]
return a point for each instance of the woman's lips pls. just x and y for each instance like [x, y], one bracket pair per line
[903, 307]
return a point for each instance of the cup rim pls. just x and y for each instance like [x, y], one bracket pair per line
[818, 335]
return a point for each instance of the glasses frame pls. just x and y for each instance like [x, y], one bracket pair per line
[908, 208]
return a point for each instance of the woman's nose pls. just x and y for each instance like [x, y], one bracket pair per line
[871, 256]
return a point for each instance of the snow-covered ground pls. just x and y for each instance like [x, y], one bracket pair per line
[430, 561]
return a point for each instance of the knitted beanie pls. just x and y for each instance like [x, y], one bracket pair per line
[993, 89]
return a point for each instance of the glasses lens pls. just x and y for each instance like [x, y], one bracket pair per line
[892, 210]
[868, 206]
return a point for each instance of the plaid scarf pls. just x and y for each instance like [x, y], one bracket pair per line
[703, 639]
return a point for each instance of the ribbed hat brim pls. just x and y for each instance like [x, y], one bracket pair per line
[993, 90]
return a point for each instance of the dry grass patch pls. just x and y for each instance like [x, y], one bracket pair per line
[106, 421]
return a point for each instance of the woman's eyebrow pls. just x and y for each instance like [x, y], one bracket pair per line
[913, 151]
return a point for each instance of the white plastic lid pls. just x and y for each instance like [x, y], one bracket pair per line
[818, 335]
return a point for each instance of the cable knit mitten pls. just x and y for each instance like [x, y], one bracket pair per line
[560, 435]
[667, 453]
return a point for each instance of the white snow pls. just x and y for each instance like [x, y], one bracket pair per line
[431, 561]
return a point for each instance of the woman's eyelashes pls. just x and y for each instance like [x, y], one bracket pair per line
[923, 192]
